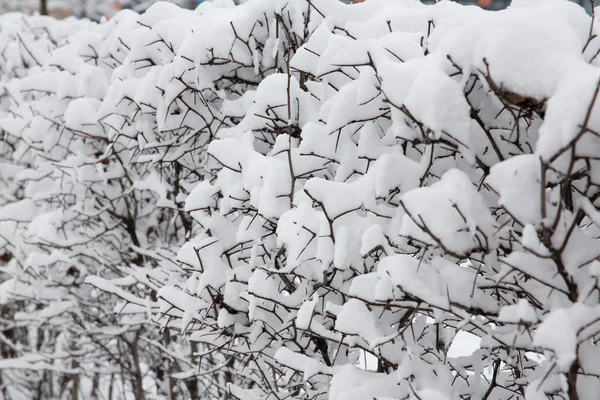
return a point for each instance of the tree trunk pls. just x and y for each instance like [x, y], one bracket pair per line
[137, 383]
[75, 382]
[44, 7]
[192, 383]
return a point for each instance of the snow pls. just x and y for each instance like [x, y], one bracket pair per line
[559, 335]
[542, 60]
[518, 313]
[408, 211]
[430, 394]
[567, 110]
[414, 277]
[21, 211]
[305, 313]
[200, 197]
[455, 201]
[356, 319]
[372, 238]
[11, 287]
[353, 384]
[110, 287]
[81, 112]
[439, 103]
[515, 180]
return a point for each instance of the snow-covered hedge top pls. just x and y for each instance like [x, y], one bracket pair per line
[367, 183]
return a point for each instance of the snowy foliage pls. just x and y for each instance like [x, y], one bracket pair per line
[293, 199]
[78, 208]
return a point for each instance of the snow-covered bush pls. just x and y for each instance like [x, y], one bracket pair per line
[428, 173]
[26, 44]
[186, 77]
[100, 211]
[303, 200]
[80, 209]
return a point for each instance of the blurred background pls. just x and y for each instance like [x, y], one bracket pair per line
[97, 9]
[93, 9]
[500, 4]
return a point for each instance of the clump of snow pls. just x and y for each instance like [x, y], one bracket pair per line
[518, 313]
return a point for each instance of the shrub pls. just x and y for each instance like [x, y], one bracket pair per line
[305, 200]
